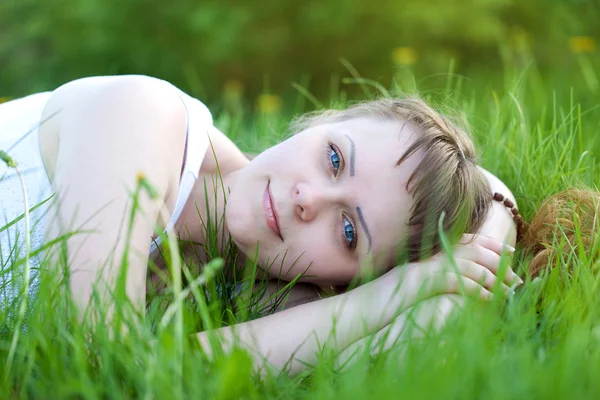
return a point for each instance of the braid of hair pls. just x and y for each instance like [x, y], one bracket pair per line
[521, 224]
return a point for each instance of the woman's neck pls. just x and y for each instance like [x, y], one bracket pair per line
[202, 222]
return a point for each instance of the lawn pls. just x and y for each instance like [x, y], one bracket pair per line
[537, 132]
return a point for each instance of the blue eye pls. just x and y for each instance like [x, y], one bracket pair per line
[335, 159]
[349, 234]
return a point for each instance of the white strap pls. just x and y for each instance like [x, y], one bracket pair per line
[196, 147]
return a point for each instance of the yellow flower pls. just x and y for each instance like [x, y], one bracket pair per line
[268, 103]
[520, 39]
[233, 88]
[582, 44]
[4, 99]
[404, 56]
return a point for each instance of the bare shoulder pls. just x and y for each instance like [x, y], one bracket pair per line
[496, 185]
[126, 94]
[499, 223]
[111, 112]
[100, 134]
[117, 85]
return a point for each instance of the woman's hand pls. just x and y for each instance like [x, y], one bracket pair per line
[472, 269]
[478, 259]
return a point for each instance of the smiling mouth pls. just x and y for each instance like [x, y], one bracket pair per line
[270, 213]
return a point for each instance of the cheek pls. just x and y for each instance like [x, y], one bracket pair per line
[243, 215]
[238, 223]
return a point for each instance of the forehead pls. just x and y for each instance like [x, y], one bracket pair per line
[391, 137]
[378, 186]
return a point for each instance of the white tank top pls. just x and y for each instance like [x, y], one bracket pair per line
[19, 121]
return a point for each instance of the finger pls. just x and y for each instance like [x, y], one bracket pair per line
[456, 284]
[481, 275]
[488, 259]
[490, 243]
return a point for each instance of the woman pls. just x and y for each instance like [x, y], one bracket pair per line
[323, 204]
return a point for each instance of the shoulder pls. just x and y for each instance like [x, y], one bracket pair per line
[499, 223]
[117, 105]
[117, 80]
[110, 116]
[496, 185]
[123, 90]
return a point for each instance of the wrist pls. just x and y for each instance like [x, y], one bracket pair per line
[361, 311]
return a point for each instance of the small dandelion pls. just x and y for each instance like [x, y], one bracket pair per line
[520, 39]
[233, 91]
[25, 297]
[268, 103]
[582, 44]
[233, 88]
[404, 56]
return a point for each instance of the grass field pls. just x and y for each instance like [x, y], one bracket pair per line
[537, 133]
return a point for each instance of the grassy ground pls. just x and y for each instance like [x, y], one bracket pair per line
[536, 133]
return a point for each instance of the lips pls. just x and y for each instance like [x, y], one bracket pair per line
[270, 212]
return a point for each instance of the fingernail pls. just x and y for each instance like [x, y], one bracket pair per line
[509, 248]
[517, 278]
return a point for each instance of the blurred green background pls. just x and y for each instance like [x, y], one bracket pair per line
[229, 52]
[526, 74]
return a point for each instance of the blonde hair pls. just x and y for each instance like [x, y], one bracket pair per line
[445, 185]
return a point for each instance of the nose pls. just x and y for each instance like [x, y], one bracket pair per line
[310, 200]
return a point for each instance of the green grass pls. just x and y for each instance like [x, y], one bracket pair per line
[537, 133]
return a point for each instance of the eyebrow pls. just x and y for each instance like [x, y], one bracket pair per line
[358, 210]
[352, 155]
[364, 225]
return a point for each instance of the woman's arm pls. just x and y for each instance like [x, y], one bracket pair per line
[293, 337]
[109, 132]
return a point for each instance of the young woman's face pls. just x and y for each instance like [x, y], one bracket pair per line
[325, 200]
